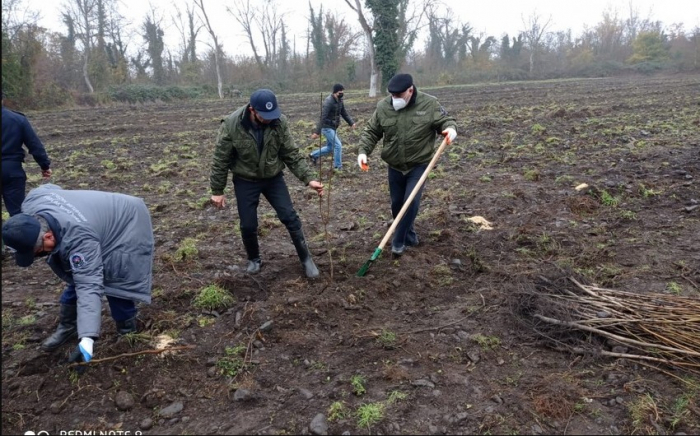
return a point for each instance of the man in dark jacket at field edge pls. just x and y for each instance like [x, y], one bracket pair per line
[409, 121]
[333, 108]
[99, 243]
[255, 144]
[16, 131]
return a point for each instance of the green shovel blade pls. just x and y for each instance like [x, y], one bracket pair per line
[365, 267]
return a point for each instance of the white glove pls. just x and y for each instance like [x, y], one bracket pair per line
[450, 134]
[85, 347]
[361, 160]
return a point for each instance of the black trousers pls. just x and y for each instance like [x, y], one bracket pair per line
[14, 184]
[275, 191]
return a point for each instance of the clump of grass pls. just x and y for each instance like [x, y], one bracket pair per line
[532, 175]
[388, 339]
[643, 410]
[608, 199]
[396, 396]
[186, 250]
[486, 342]
[369, 414]
[358, 385]
[232, 363]
[337, 411]
[213, 297]
[674, 288]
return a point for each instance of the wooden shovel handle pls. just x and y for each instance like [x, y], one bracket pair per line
[408, 201]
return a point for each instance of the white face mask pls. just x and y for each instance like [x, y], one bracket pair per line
[398, 103]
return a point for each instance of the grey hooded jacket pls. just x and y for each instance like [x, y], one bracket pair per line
[104, 245]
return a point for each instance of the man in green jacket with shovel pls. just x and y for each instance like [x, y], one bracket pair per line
[255, 144]
[409, 121]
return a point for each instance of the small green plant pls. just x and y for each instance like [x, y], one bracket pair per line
[369, 414]
[214, 297]
[608, 200]
[674, 288]
[337, 411]
[164, 187]
[486, 342]
[628, 215]
[388, 339]
[680, 409]
[646, 193]
[532, 175]
[186, 250]
[204, 321]
[108, 164]
[443, 273]
[30, 302]
[358, 385]
[232, 363]
[565, 179]
[396, 396]
[538, 129]
[485, 178]
[643, 410]
[27, 320]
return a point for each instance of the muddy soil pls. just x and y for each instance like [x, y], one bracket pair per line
[428, 343]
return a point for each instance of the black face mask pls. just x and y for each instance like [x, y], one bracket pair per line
[340, 95]
[42, 254]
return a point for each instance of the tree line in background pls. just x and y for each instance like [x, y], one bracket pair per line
[99, 57]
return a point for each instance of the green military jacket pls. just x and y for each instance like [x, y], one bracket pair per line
[236, 150]
[409, 134]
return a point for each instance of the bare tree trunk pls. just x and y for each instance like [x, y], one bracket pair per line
[374, 74]
[219, 85]
[534, 32]
[86, 76]
[245, 15]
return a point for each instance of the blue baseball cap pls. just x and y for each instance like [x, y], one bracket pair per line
[265, 104]
[21, 233]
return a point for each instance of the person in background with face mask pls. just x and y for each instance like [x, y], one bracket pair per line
[255, 144]
[333, 109]
[409, 121]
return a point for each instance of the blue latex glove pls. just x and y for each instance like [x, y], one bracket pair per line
[82, 353]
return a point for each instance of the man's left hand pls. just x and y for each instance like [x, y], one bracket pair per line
[82, 353]
[46, 173]
[450, 134]
[318, 186]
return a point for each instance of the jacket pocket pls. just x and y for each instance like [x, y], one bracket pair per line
[420, 127]
[390, 127]
[122, 266]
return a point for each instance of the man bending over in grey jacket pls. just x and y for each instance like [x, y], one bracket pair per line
[99, 243]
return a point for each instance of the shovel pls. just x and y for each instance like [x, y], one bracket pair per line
[403, 210]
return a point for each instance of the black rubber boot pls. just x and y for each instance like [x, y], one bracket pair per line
[126, 327]
[67, 328]
[250, 242]
[304, 256]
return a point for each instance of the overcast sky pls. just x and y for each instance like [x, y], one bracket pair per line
[490, 17]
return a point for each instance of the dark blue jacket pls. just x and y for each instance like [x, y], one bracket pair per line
[16, 131]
